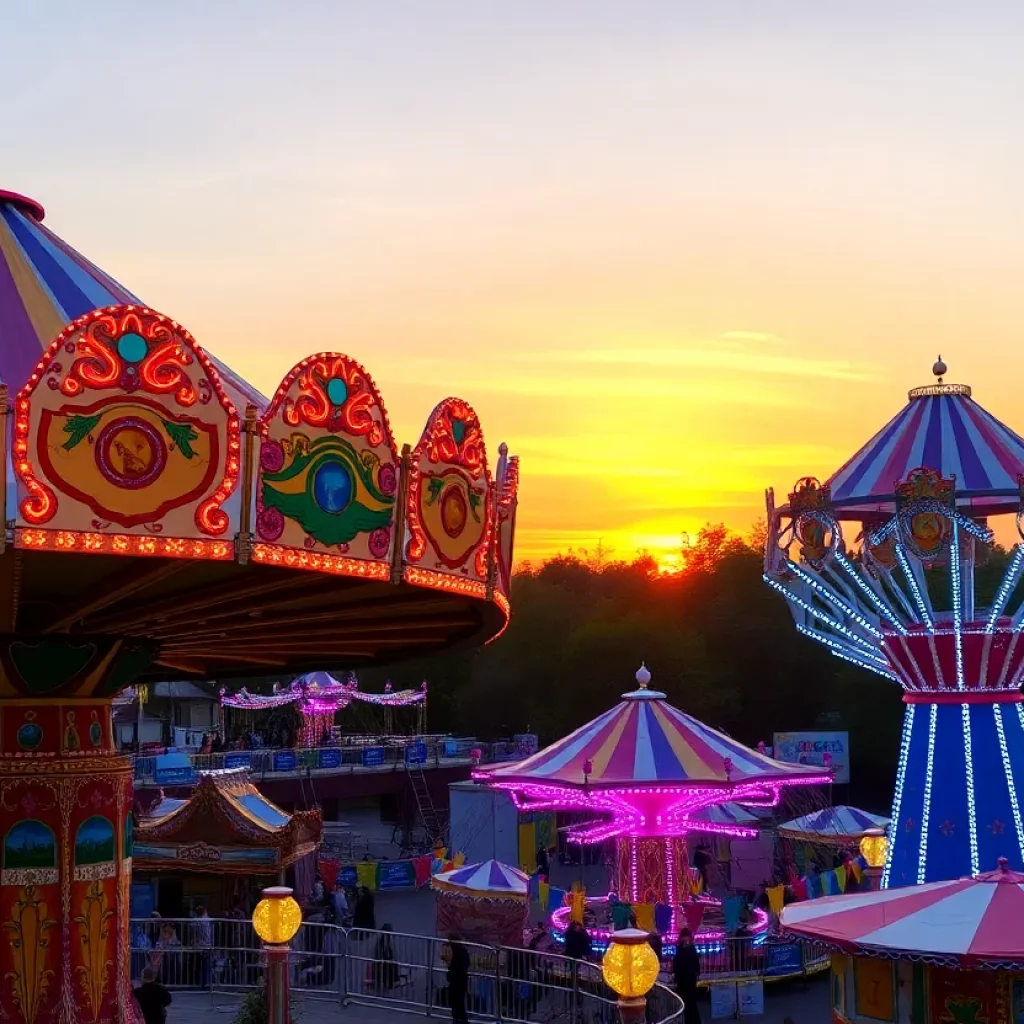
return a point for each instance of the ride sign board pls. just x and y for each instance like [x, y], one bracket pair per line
[827, 749]
[330, 757]
[416, 753]
[373, 757]
[396, 874]
[285, 761]
[238, 760]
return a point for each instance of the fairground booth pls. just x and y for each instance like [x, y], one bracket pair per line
[943, 952]
[164, 521]
[217, 848]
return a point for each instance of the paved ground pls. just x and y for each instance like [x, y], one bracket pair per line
[803, 1003]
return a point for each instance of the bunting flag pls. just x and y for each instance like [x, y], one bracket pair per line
[776, 899]
[577, 905]
[460, 859]
[731, 912]
[544, 893]
[694, 914]
[662, 918]
[555, 900]
[800, 890]
[840, 874]
[814, 889]
[644, 916]
[857, 869]
[366, 873]
[830, 883]
[533, 889]
[422, 865]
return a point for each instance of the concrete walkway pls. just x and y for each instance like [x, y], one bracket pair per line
[804, 1003]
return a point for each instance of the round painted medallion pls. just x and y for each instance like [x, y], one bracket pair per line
[132, 348]
[332, 486]
[130, 452]
[30, 735]
[337, 391]
[454, 512]
[459, 430]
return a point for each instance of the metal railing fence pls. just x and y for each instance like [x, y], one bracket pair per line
[385, 968]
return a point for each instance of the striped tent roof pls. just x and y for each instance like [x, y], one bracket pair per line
[45, 284]
[970, 922]
[725, 814]
[645, 739]
[488, 878]
[944, 429]
[832, 825]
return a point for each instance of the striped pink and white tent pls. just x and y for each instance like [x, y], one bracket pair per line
[968, 922]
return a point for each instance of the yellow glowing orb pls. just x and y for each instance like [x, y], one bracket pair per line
[630, 967]
[277, 916]
[873, 847]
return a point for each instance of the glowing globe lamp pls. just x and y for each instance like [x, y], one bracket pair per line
[277, 916]
[874, 846]
[630, 967]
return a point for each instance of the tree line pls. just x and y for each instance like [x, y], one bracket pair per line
[718, 642]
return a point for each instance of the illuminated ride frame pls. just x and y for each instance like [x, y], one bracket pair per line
[649, 772]
[918, 496]
[319, 696]
[164, 522]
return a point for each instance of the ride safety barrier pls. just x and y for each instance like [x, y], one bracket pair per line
[363, 754]
[385, 968]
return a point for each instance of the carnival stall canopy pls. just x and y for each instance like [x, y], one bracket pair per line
[966, 923]
[225, 826]
[728, 814]
[833, 825]
[489, 878]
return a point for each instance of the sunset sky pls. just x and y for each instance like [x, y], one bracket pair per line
[671, 252]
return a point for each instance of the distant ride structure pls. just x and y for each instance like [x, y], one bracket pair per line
[882, 563]
[649, 773]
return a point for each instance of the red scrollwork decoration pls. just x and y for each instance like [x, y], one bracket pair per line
[41, 504]
[157, 367]
[452, 437]
[336, 394]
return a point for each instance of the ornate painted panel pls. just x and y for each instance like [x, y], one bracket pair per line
[450, 506]
[125, 442]
[64, 881]
[329, 473]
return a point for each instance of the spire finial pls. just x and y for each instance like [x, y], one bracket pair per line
[939, 368]
[643, 676]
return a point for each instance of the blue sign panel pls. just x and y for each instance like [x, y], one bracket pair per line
[783, 959]
[451, 748]
[175, 776]
[348, 877]
[373, 756]
[330, 757]
[238, 760]
[396, 874]
[416, 753]
[285, 761]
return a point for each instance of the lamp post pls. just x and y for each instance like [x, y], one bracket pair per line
[276, 919]
[874, 848]
[630, 969]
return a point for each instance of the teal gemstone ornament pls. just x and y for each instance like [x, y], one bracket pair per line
[132, 348]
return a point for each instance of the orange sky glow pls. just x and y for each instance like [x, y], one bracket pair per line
[671, 253]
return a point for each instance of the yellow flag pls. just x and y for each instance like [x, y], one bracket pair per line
[776, 898]
[841, 877]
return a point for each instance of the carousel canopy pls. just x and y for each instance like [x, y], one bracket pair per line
[943, 428]
[161, 507]
[971, 922]
[646, 740]
[226, 825]
[45, 284]
[489, 878]
[833, 825]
